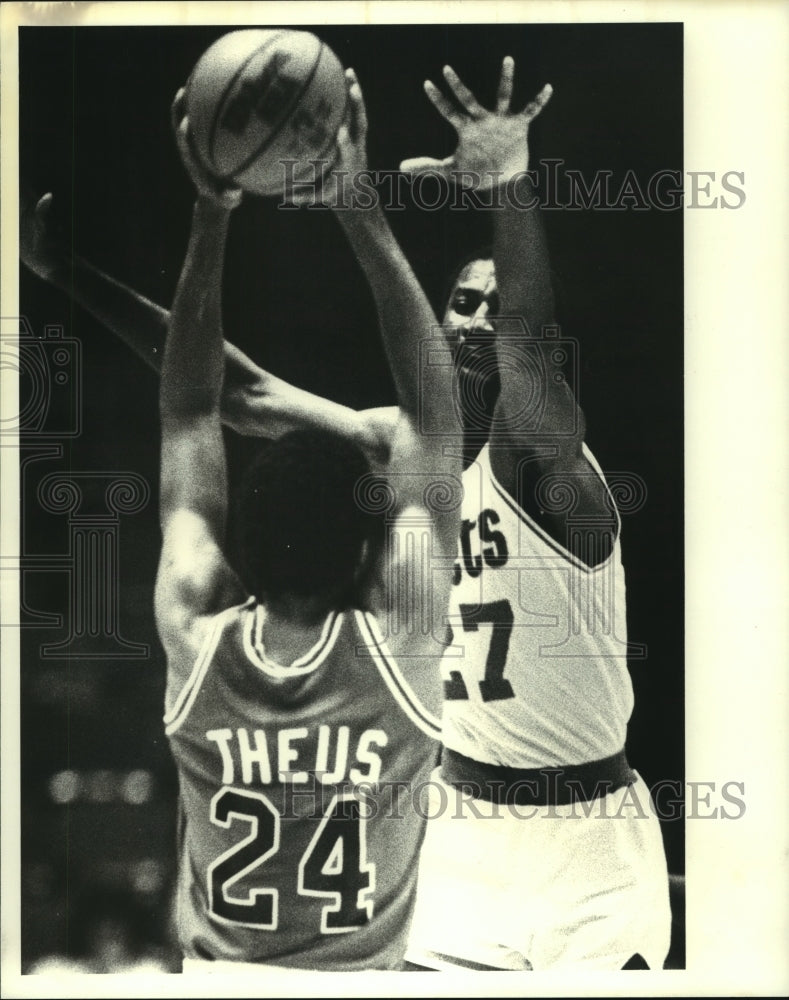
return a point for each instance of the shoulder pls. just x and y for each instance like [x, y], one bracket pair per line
[565, 493]
[193, 650]
[194, 583]
[411, 676]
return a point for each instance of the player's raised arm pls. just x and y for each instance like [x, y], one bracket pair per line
[545, 437]
[493, 152]
[409, 329]
[422, 453]
[523, 277]
[254, 402]
[194, 579]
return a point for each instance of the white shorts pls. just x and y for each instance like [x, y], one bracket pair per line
[541, 887]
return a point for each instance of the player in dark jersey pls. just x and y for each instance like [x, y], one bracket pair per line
[303, 718]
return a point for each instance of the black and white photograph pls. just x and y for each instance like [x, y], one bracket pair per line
[373, 603]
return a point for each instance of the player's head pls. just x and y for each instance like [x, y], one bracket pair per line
[472, 298]
[472, 320]
[470, 314]
[301, 532]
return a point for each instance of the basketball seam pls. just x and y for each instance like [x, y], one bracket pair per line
[318, 156]
[275, 131]
[221, 103]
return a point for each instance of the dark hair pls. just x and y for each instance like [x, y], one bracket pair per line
[300, 530]
[485, 252]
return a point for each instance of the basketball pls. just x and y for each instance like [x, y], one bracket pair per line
[257, 98]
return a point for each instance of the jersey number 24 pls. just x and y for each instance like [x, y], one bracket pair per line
[334, 864]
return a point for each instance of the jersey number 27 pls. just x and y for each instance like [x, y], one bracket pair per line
[494, 686]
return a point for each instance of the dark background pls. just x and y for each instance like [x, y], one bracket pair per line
[94, 129]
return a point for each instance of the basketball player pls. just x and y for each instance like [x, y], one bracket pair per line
[301, 736]
[551, 856]
[537, 691]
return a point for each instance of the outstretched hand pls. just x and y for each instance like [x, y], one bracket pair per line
[350, 158]
[493, 145]
[226, 196]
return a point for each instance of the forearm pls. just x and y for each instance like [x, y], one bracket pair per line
[140, 323]
[254, 402]
[521, 259]
[284, 407]
[523, 276]
[406, 319]
[137, 321]
[194, 354]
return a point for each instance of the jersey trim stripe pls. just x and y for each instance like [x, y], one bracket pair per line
[311, 660]
[599, 470]
[557, 547]
[186, 697]
[399, 687]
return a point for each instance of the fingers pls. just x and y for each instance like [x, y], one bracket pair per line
[43, 207]
[343, 135]
[358, 117]
[426, 164]
[180, 123]
[184, 146]
[178, 109]
[472, 106]
[463, 94]
[533, 108]
[443, 105]
[504, 94]
[342, 143]
[228, 196]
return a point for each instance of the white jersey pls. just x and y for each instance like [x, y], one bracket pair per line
[536, 674]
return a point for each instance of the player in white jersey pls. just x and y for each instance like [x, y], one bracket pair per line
[292, 719]
[520, 869]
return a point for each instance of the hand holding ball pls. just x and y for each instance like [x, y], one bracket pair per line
[257, 98]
